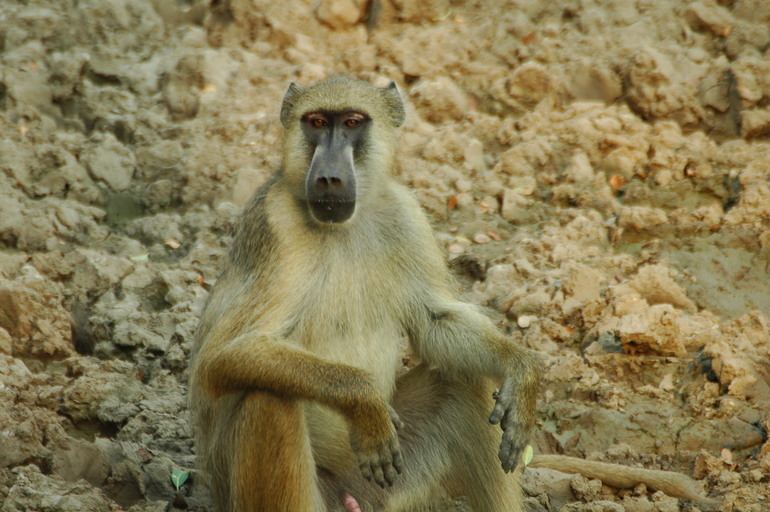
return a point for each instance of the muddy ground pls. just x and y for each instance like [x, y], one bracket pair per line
[599, 172]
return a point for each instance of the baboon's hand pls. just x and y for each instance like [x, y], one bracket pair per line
[377, 448]
[515, 429]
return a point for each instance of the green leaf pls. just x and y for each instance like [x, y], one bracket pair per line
[528, 454]
[140, 257]
[178, 477]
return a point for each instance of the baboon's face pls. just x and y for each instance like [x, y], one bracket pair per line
[335, 138]
[340, 139]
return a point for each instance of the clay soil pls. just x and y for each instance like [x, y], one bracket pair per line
[598, 171]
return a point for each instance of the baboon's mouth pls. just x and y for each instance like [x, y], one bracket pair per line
[332, 210]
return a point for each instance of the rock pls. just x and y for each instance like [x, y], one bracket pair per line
[30, 490]
[107, 391]
[161, 157]
[6, 342]
[98, 270]
[340, 14]
[474, 156]
[29, 86]
[111, 162]
[641, 218]
[182, 86]
[592, 80]
[419, 11]
[714, 89]
[551, 483]
[128, 334]
[664, 503]
[755, 123]
[582, 284]
[638, 503]
[515, 207]
[710, 16]
[585, 489]
[525, 321]
[157, 481]
[655, 285]
[737, 371]
[36, 320]
[655, 330]
[594, 506]
[713, 435]
[439, 99]
[523, 159]
[530, 83]
[79, 459]
[160, 194]
[656, 86]
[579, 169]
[533, 505]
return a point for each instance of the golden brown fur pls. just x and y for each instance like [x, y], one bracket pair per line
[625, 477]
[294, 375]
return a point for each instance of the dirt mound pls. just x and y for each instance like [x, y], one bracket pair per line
[599, 173]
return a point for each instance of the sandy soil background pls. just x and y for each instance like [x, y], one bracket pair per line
[599, 172]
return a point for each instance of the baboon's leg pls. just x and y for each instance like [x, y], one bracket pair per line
[273, 468]
[449, 450]
[476, 472]
[449, 444]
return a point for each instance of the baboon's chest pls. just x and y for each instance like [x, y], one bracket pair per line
[351, 313]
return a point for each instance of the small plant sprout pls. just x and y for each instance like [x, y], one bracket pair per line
[526, 456]
[179, 477]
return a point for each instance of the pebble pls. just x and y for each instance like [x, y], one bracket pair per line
[525, 321]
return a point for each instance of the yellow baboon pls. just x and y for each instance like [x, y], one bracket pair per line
[294, 374]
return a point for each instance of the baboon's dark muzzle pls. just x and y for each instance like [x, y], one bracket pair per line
[331, 181]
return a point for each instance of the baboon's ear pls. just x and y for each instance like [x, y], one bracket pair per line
[288, 103]
[395, 105]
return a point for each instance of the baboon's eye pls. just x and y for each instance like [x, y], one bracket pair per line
[316, 120]
[354, 120]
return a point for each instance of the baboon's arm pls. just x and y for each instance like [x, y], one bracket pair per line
[458, 338]
[255, 363]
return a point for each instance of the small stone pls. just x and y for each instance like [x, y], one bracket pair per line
[463, 185]
[525, 321]
[514, 206]
[439, 100]
[594, 506]
[456, 249]
[340, 14]
[710, 16]
[474, 156]
[421, 11]
[755, 123]
[667, 384]
[585, 489]
[112, 163]
[530, 83]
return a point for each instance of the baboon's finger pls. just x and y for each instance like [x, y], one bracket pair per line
[504, 398]
[510, 451]
[366, 470]
[398, 462]
[379, 476]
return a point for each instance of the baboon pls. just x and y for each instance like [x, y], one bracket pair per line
[296, 381]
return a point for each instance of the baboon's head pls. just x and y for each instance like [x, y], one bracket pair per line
[340, 138]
